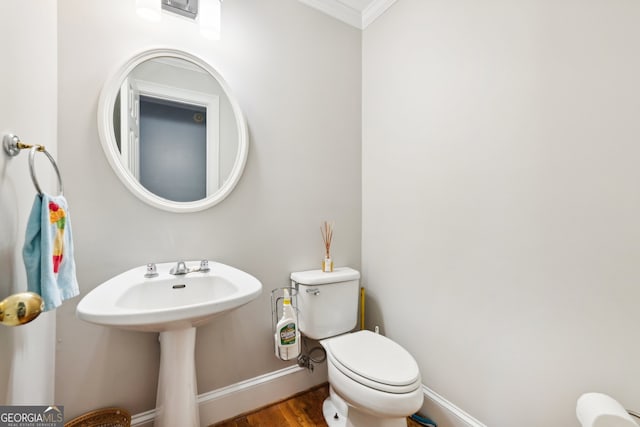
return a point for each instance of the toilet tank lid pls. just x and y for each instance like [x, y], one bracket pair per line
[318, 277]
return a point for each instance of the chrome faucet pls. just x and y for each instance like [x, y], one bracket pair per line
[179, 269]
[182, 269]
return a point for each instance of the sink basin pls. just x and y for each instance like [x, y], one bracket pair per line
[167, 302]
[173, 306]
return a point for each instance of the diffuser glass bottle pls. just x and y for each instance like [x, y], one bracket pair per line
[327, 236]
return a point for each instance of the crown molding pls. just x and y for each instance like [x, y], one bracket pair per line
[338, 10]
[374, 10]
[354, 17]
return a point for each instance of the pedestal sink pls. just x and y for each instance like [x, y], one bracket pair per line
[173, 305]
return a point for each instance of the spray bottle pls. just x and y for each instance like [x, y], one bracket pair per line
[287, 337]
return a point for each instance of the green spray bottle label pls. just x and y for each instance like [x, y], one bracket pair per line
[288, 334]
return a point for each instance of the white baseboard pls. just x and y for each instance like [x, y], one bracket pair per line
[445, 413]
[143, 419]
[245, 396]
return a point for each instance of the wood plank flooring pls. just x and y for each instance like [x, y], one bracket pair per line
[301, 410]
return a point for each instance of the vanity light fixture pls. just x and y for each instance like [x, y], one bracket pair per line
[205, 12]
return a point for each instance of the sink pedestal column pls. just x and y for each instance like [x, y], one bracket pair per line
[177, 403]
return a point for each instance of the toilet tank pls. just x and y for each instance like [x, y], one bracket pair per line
[327, 302]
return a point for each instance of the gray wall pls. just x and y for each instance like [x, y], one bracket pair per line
[501, 231]
[296, 73]
[28, 109]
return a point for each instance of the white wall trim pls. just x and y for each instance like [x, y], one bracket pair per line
[374, 10]
[246, 385]
[445, 413]
[338, 10]
[143, 418]
[245, 396]
[345, 13]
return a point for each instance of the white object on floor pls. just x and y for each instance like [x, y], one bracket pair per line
[601, 410]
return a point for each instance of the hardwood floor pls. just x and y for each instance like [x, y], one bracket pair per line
[302, 410]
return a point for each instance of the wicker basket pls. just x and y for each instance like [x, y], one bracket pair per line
[107, 417]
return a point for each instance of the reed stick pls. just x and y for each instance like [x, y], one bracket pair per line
[327, 235]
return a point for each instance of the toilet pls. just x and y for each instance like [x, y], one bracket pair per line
[373, 381]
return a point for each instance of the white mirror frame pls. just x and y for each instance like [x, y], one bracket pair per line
[106, 105]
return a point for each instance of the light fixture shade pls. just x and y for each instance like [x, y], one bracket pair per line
[150, 10]
[209, 18]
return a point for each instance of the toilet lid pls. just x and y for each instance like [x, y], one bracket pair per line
[376, 358]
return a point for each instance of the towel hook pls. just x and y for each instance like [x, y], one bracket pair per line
[12, 146]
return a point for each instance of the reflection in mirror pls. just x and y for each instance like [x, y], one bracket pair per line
[168, 130]
[172, 132]
[174, 148]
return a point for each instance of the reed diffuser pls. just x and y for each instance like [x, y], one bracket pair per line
[326, 229]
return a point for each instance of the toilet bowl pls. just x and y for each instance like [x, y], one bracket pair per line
[373, 381]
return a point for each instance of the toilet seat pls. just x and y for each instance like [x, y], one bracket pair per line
[374, 361]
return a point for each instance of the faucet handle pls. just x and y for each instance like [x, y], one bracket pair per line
[204, 266]
[152, 271]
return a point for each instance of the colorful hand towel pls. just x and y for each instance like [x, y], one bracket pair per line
[48, 251]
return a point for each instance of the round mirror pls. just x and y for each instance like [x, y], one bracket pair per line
[172, 131]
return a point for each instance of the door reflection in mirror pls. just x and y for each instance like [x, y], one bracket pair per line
[173, 149]
[167, 123]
